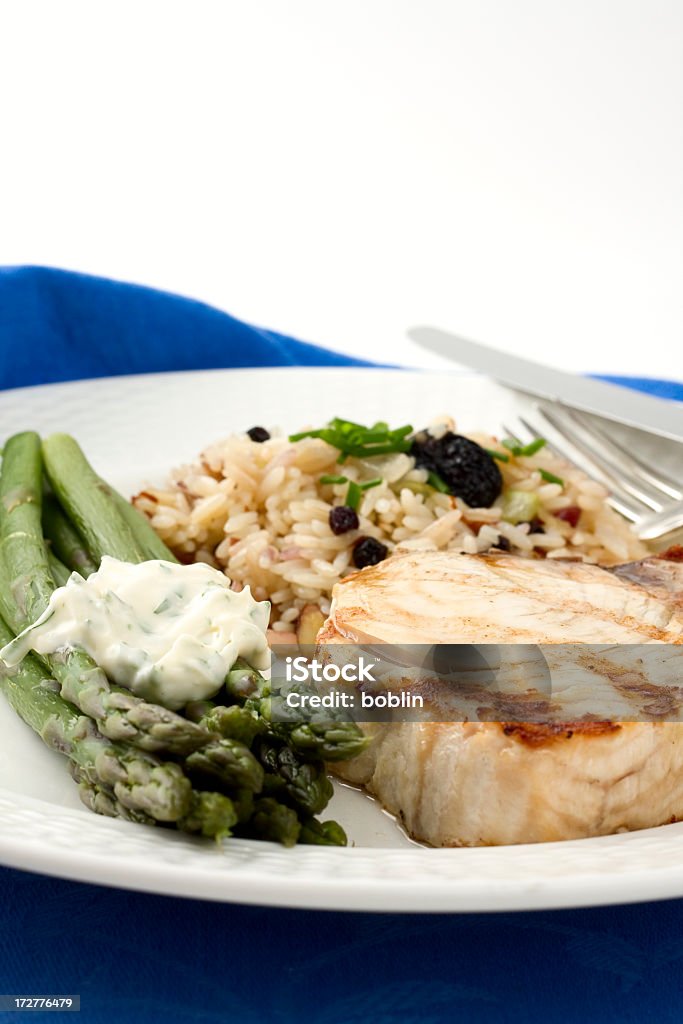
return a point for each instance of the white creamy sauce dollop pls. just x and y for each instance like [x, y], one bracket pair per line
[168, 632]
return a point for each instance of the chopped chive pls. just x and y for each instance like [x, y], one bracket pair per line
[368, 437]
[501, 456]
[353, 496]
[513, 445]
[435, 481]
[345, 424]
[367, 451]
[324, 434]
[550, 478]
[355, 440]
[354, 491]
[328, 479]
[533, 447]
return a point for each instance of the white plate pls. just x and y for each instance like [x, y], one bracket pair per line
[135, 429]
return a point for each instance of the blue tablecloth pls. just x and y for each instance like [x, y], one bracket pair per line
[135, 957]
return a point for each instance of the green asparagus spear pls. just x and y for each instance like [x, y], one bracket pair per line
[121, 715]
[332, 738]
[244, 683]
[226, 762]
[21, 537]
[100, 798]
[101, 518]
[212, 815]
[329, 741]
[322, 833]
[59, 572]
[233, 722]
[65, 540]
[24, 561]
[139, 781]
[271, 821]
[196, 710]
[302, 784]
[86, 500]
[243, 801]
[111, 506]
[145, 534]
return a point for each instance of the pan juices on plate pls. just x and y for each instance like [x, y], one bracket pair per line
[477, 783]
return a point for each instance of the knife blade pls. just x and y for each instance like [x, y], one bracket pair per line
[623, 405]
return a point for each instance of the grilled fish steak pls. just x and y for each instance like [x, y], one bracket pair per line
[492, 783]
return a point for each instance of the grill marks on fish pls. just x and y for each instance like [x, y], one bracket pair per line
[650, 700]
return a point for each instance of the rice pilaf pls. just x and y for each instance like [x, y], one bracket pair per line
[259, 511]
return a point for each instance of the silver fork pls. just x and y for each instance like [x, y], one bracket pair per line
[645, 495]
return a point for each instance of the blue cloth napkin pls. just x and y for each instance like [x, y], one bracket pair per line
[56, 325]
[136, 957]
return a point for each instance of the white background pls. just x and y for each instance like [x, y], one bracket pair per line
[510, 169]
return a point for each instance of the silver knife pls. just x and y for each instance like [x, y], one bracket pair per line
[624, 405]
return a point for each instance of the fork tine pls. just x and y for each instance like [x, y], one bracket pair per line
[603, 457]
[622, 479]
[650, 525]
[515, 434]
[627, 459]
[658, 525]
[619, 500]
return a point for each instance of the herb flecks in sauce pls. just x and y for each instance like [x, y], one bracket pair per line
[184, 628]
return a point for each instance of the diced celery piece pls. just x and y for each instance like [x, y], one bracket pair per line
[416, 486]
[519, 506]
